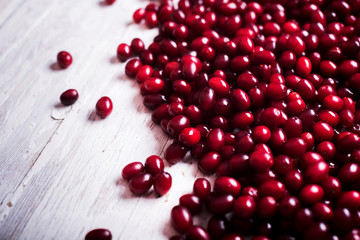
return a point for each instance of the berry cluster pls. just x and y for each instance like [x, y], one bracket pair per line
[266, 96]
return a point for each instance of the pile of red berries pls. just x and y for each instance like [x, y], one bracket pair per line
[264, 95]
[141, 178]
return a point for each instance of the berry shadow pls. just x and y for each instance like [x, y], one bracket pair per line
[55, 67]
[59, 111]
[93, 117]
[114, 60]
[104, 4]
[60, 105]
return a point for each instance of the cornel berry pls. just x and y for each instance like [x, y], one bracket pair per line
[64, 59]
[104, 107]
[266, 96]
[69, 97]
[99, 234]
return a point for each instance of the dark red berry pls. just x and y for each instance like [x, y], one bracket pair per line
[141, 183]
[154, 164]
[69, 97]
[123, 52]
[132, 169]
[104, 107]
[110, 1]
[181, 219]
[98, 234]
[64, 59]
[162, 183]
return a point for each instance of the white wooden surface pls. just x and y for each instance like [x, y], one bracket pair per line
[60, 167]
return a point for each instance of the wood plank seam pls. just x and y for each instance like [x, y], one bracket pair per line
[32, 164]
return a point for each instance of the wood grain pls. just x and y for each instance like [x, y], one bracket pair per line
[60, 167]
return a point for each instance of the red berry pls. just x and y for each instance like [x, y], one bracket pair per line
[69, 97]
[98, 234]
[141, 183]
[189, 136]
[202, 188]
[154, 164]
[132, 169]
[181, 219]
[123, 52]
[64, 59]
[139, 15]
[162, 183]
[104, 107]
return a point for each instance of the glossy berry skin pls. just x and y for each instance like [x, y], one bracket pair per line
[192, 202]
[202, 188]
[322, 211]
[151, 19]
[349, 173]
[98, 234]
[311, 194]
[273, 188]
[175, 152]
[227, 185]
[209, 162]
[104, 107]
[303, 66]
[189, 136]
[132, 67]
[154, 165]
[266, 207]
[233, 236]
[261, 161]
[261, 134]
[282, 164]
[294, 147]
[288, 206]
[217, 227]
[219, 204]
[132, 169]
[137, 46]
[144, 73]
[181, 219]
[240, 100]
[333, 102]
[323, 131]
[215, 139]
[244, 206]
[64, 59]
[317, 172]
[140, 183]
[177, 124]
[152, 85]
[139, 15]
[162, 183]
[197, 233]
[110, 1]
[69, 97]
[349, 199]
[332, 187]
[123, 52]
[220, 86]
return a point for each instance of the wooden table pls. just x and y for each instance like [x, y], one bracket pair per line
[60, 167]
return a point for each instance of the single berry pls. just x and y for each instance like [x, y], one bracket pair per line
[64, 59]
[104, 107]
[69, 97]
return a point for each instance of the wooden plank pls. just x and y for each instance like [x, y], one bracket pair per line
[30, 72]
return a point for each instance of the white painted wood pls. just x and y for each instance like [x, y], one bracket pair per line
[60, 167]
